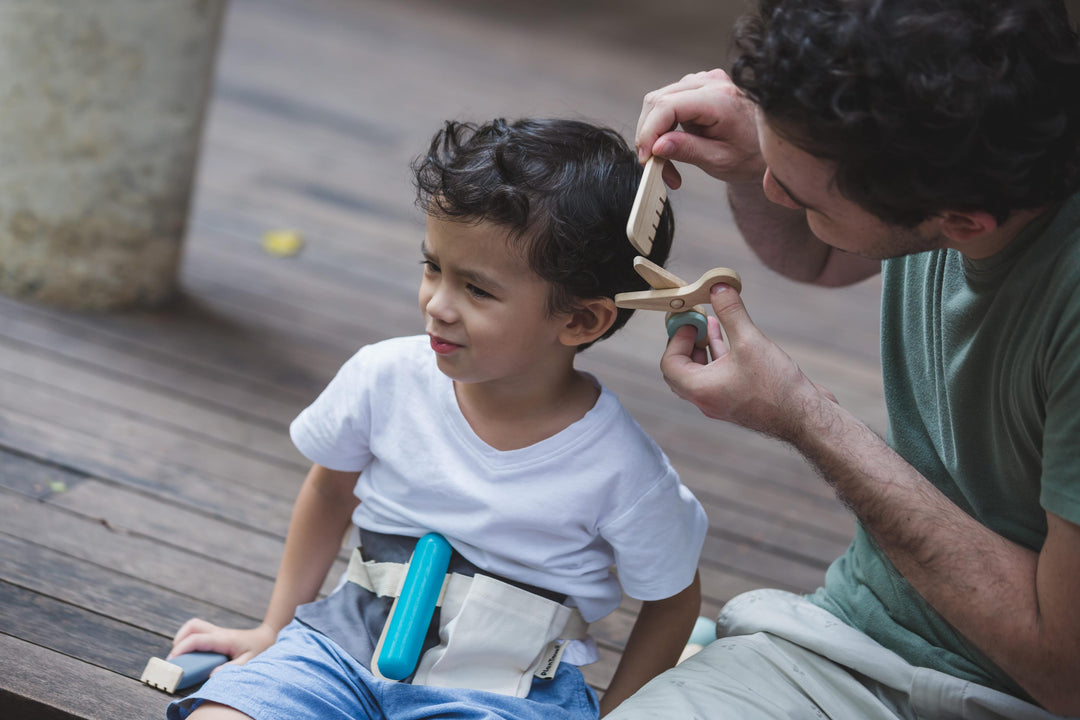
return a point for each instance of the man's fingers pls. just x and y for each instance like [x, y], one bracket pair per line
[658, 114]
[717, 347]
[730, 312]
[678, 357]
[671, 175]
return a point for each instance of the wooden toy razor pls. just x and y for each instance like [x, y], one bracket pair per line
[182, 671]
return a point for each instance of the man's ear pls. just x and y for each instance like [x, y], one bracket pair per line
[588, 321]
[964, 226]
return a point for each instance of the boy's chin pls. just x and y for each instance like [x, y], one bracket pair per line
[451, 369]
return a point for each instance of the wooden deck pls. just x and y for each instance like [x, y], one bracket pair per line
[146, 474]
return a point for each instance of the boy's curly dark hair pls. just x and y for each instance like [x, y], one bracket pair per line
[925, 105]
[562, 188]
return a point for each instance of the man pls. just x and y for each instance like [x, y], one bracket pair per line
[936, 142]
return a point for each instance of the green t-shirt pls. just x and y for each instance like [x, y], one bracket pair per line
[981, 364]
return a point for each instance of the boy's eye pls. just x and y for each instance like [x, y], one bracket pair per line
[429, 266]
[477, 292]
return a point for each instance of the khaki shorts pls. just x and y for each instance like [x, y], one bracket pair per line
[781, 656]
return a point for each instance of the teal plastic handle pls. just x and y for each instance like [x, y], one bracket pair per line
[415, 607]
[689, 317]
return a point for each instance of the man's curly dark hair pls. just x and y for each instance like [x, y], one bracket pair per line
[924, 105]
[563, 189]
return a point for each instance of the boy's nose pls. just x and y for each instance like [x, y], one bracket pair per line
[440, 304]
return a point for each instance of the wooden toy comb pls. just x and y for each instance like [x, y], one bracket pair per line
[648, 206]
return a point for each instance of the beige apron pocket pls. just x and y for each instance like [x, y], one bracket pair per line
[492, 637]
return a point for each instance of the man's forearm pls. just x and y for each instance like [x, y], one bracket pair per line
[781, 238]
[985, 585]
[778, 235]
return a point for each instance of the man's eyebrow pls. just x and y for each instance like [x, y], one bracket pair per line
[792, 195]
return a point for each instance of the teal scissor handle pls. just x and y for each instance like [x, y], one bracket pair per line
[689, 317]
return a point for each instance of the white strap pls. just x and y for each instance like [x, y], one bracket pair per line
[386, 579]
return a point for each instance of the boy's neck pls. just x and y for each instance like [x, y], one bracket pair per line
[511, 416]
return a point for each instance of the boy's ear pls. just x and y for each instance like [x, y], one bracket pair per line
[962, 226]
[588, 321]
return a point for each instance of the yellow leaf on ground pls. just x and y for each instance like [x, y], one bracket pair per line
[282, 243]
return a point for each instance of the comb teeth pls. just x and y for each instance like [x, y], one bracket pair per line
[648, 206]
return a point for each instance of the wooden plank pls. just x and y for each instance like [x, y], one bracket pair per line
[97, 540]
[741, 522]
[100, 457]
[34, 478]
[42, 684]
[766, 567]
[174, 416]
[106, 592]
[274, 405]
[133, 436]
[190, 530]
[255, 551]
[82, 634]
[204, 337]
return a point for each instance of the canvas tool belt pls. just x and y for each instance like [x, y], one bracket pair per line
[493, 636]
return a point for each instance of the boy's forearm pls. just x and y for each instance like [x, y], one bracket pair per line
[320, 517]
[658, 638]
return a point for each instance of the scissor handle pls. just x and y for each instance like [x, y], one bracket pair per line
[680, 298]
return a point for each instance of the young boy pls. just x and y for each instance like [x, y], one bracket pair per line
[552, 497]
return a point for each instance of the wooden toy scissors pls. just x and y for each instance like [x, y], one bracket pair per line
[683, 302]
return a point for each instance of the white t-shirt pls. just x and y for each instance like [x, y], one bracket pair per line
[557, 514]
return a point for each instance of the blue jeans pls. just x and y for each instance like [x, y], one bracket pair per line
[307, 675]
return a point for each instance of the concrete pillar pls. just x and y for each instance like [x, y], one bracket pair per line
[101, 111]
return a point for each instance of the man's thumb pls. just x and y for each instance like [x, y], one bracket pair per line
[729, 309]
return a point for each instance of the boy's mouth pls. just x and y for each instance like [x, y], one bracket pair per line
[442, 346]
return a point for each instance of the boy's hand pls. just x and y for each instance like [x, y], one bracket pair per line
[239, 645]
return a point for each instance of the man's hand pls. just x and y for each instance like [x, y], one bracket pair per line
[750, 381]
[703, 120]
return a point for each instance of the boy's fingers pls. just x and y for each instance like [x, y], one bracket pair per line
[194, 625]
[204, 642]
